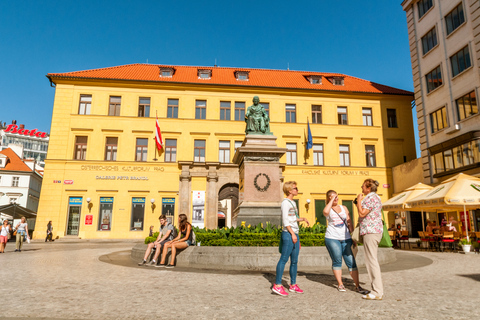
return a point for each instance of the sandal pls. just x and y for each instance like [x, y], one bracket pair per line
[361, 290]
[371, 297]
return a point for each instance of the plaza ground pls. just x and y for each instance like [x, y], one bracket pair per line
[98, 280]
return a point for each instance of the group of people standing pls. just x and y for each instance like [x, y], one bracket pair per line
[20, 231]
[338, 239]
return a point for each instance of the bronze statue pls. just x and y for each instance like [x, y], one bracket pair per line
[257, 119]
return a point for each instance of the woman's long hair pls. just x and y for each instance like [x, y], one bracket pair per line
[183, 221]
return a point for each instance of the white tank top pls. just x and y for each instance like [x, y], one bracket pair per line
[337, 230]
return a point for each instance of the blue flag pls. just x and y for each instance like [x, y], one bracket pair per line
[309, 139]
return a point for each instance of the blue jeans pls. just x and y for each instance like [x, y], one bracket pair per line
[339, 248]
[289, 250]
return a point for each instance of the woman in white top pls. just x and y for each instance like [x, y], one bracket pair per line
[22, 230]
[290, 240]
[4, 232]
[339, 242]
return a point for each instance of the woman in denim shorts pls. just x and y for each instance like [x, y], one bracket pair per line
[339, 242]
[182, 241]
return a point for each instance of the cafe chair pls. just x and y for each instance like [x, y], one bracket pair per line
[448, 237]
[404, 238]
[393, 237]
[425, 239]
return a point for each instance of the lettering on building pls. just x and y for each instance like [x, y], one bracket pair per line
[336, 172]
[121, 169]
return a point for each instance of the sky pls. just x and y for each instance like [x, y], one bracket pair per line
[365, 39]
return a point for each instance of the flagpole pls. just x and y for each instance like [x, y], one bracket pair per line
[155, 158]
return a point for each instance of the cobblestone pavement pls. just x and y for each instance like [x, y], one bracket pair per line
[63, 280]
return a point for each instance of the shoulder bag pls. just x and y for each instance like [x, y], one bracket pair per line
[385, 242]
[354, 243]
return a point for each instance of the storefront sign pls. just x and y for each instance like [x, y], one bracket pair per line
[106, 200]
[13, 128]
[168, 200]
[67, 181]
[75, 201]
[120, 178]
[138, 200]
[89, 219]
[336, 172]
[121, 168]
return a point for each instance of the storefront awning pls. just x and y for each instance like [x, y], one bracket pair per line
[16, 211]
[399, 201]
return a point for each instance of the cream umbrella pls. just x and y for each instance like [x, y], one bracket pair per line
[460, 191]
[399, 201]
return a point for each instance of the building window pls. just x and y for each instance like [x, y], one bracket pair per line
[370, 156]
[199, 151]
[439, 119]
[225, 110]
[204, 74]
[200, 109]
[367, 116]
[316, 114]
[460, 61]
[170, 150]
[105, 214]
[238, 144]
[423, 7]
[392, 118]
[344, 155]
[111, 149]
[292, 153]
[224, 151]
[434, 79]
[454, 19]
[85, 104]
[114, 108]
[460, 156]
[318, 154]
[239, 111]
[15, 181]
[242, 75]
[141, 149]
[290, 113]
[172, 108]
[80, 148]
[429, 41]
[467, 106]
[342, 115]
[315, 79]
[138, 214]
[337, 81]
[166, 72]
[266, 106]
[144, 107]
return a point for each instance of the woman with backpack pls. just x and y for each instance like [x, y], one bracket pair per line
[182, 241]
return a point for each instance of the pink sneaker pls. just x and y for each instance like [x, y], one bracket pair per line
[295, 288]
[279, 290]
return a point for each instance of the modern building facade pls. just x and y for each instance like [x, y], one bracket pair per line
[444, 46]
[105, 179]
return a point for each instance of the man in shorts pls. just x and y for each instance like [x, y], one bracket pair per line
[166, 234]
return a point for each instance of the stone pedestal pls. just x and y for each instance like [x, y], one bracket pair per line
[261, 180]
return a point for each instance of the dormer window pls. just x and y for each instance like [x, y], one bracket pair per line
[315, 79]
[204, 74]
[337, 81]
[166, 72]
[241, 75]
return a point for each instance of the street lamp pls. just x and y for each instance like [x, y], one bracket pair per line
[153, 205]
[307, 205]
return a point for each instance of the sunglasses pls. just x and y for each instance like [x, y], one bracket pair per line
[295, 188]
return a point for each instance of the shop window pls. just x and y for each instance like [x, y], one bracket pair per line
[429, 40]
[80, 148]
[392, 118]
[434, 79]
[111, 149]
[141, 149]
[239, 111]
[172, 108]
[224, 151]
[319, 217]
[367, 117]
[105, 214]
[200, 109]
[199, 151]
[138, 214]
[344, 155]
[460, 61]
[454, 19]
[467, 106]
[438, 119]
[144, 107]
[15, 181]
[370, 156]
[114, 107]
[225, 110]
[85, 104]
[74, 213]
[170, 150]
[318, 154]
[290, 110]
[423, 6]
[168, 208]
[292, 153]
[316, 114]
[342, 115]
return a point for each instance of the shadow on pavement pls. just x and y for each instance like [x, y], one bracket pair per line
[475, 277]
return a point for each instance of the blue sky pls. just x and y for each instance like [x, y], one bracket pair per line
[363, 39]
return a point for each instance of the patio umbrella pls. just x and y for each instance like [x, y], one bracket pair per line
[459, 192]
[399, 201]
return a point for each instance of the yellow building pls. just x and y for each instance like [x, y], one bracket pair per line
[104, 179]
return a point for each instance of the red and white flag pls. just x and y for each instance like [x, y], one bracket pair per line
[158, 136]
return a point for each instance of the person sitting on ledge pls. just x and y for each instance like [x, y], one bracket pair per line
[166, 234]
[182, 241]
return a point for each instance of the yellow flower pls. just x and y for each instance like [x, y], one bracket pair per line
[249, 226]
[261, 224]
[243, 223]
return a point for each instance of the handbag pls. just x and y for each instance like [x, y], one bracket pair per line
[385, 242]
[15, 232]
[356, 234]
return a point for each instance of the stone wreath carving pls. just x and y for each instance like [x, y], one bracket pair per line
[256, 184]
[261, 158]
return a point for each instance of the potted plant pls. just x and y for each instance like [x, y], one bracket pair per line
[466, 244]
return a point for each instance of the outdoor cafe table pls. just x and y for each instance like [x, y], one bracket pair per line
[437, 237]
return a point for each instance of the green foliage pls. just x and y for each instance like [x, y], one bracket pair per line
[152, 238]
[464, 241]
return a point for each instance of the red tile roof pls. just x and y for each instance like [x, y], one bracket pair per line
[14, 162]
[226, 76]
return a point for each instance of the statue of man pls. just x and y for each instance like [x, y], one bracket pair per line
[257, 118]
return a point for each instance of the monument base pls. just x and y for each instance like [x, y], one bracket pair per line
[255, 213]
